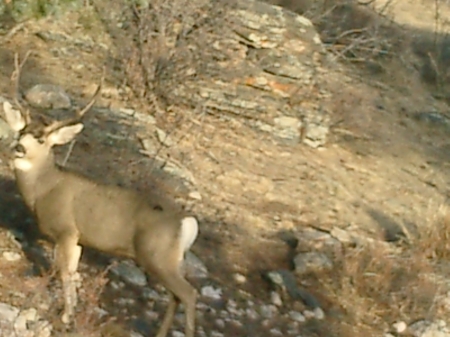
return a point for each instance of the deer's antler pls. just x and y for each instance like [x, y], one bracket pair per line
[15, 85]
[79, 113]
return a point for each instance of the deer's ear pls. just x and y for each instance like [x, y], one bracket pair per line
[65, 134]
[13, 117]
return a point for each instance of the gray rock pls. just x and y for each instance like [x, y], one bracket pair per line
[150, 146]
[211, 292]
[16, 323]
[130, 273]
[164, 138]
[261, 68]
[216, 334]
[287, 128]
[311, 262]
[426, 328]
[48, 96]
[8, 313]
[400, 326]
[194, 267]
[297, 316]
[275, 298]
[268, 311]
[286, 282]
[342, 235]
[251, 314]
[25, 316]
[195, 195]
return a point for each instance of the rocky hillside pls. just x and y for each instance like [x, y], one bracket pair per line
[317, 167]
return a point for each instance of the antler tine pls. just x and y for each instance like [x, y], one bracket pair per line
[88, 106]
[15, 78]
[80, 113]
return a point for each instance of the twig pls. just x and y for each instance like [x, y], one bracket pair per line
[66, 158]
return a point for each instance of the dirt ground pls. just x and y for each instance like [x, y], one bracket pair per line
[384, 170]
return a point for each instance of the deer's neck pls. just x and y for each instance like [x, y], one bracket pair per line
[37, 180]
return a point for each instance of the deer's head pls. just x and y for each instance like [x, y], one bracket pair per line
[35, 139]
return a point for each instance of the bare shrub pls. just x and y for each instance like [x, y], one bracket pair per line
[163, 43]
[352, 30]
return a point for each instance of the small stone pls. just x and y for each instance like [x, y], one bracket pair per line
[216, 334]
[311, 262]
[276, 299]
[251, 313]
[116, 285]
[400, 326]
[11, 256]
[425, 328]
[123, 301]
[195, 195]
[130, 273]
[342, 235]
[319, 314]
[268, 311]
[287, 122]
[127, 111]
[276, 332]
[297, 316]
[164, 138]
[25, 316]
[220, 323]
[151, 294]
[176, 333]
[8, 313]
[239, 278]
[43, 329]
[150, 148]
[211, 292]
[135, 334]
[309, 314]
[194, 267]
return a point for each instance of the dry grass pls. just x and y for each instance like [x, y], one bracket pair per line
[375, 288]
[377, 285]
[434, 240]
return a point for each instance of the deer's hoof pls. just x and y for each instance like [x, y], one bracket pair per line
[66, 318]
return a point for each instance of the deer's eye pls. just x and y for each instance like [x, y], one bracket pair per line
[41, 140]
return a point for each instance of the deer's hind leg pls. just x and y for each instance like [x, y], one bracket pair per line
[167, 267]
[67, 256]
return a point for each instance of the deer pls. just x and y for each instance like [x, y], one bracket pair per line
[74, 211]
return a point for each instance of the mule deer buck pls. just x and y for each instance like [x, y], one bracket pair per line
[74, 211]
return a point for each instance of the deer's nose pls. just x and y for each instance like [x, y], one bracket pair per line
[19, 148]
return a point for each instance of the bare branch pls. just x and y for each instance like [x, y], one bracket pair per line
[15, 82]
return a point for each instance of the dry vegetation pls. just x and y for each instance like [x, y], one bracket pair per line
[373, 284]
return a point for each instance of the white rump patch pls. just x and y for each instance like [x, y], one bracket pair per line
[23, 164]
[189, 232]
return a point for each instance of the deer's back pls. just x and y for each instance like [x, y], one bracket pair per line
[106, 217]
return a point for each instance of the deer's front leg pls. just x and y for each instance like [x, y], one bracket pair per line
[67, 256]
